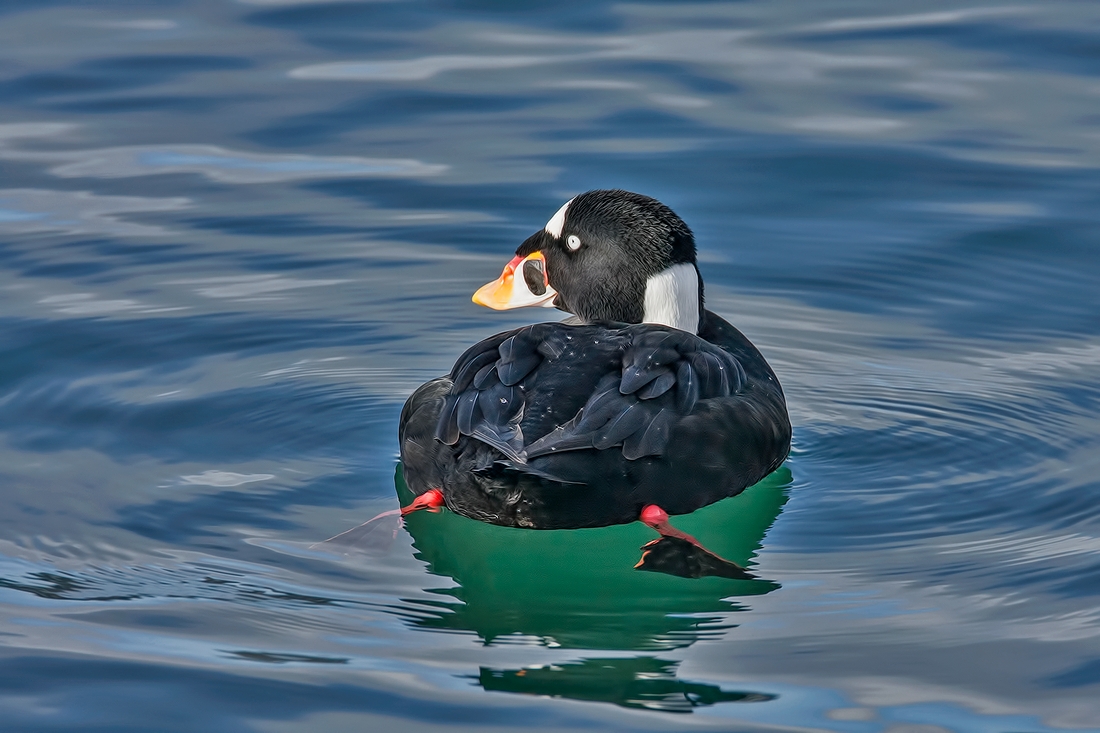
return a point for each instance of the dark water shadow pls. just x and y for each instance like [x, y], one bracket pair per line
[632, 682]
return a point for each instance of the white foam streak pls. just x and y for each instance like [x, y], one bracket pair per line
[914, 20]
[846, 124]
[225, 479]
[250, 286]
[25, 210]
[413, 69]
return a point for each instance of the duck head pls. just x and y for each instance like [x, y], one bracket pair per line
[606, 256]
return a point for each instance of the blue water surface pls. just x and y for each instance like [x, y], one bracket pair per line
[235, 235]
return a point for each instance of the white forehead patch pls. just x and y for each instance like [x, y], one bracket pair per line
[557, 221]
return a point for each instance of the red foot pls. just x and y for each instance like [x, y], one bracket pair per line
[431, 500]
[657, 518]
[693, 561]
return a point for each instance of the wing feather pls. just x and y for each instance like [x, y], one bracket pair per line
[652, 440]
[687, 387]
[466, 413]
[631, 419]
[663, 382]
[519, 356]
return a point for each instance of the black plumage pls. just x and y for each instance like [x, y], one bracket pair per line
[565, 425]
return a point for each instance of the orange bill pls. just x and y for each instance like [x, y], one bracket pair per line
[523, 283]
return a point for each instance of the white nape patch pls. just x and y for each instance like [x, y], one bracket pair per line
[672, 298]
[557, 221]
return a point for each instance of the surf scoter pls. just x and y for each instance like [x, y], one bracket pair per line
[641, 405]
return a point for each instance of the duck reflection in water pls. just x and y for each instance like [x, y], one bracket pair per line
[573, 589]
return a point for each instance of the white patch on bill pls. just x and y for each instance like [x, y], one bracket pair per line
[672, 298]
[557, 221]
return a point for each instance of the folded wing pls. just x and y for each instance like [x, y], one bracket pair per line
[552, 388]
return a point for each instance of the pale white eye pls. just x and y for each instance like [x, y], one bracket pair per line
[573, 242]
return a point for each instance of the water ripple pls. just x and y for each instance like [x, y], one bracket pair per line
[217, 164]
